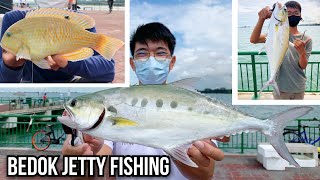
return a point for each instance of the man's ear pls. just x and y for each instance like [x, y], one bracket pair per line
[132, 64]
[172, 62]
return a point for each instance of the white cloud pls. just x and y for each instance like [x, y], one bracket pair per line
[205, 30]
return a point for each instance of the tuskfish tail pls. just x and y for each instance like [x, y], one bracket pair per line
[107, 46]
[276, 125]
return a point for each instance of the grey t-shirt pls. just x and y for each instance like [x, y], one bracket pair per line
[291, 77]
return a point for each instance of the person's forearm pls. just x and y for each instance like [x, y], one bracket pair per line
[303, 61]
[196, 173]
[256, 33]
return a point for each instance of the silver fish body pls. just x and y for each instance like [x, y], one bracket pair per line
[168, 117]
[277, 43]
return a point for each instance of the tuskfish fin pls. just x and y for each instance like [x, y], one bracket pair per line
[119, 121]
[78, 55]
[23, 53]
[43, 64]
[180, 153]
[107, 46]
[83, 20]
[274, 133]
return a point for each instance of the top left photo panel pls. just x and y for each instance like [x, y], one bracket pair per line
[62, 41]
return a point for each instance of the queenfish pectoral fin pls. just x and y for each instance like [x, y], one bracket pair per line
[119, 121]
[79, 54]
[276, 125]
[23, 53]
[180, 153]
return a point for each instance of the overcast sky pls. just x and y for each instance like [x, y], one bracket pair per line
[248, 10]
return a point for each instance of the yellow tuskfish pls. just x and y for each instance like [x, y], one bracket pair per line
[51, 31]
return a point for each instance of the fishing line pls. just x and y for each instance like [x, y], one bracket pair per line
[32, 72]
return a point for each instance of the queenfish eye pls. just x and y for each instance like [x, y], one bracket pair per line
[73, 103]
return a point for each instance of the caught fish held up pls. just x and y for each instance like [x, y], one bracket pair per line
[277, 43]
[50, 31]
[170, 117]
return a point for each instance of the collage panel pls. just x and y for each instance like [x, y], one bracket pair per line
[74, 41]
[277, 52]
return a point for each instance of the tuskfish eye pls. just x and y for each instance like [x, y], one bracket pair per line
[8, 34]
[73, 103]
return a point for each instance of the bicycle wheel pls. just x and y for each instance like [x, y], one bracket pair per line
[40, 140]
[292, 137]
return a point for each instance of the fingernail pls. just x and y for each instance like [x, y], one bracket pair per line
[198, 144]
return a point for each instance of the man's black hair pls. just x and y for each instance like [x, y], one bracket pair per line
[293, 4]
[153, 32]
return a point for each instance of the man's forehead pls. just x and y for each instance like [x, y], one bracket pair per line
[152, 44]
[291, 9]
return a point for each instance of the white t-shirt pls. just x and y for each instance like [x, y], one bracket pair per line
[120, 148]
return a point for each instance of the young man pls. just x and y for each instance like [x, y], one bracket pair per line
[93, 69]
[152, 47]
[291, 78]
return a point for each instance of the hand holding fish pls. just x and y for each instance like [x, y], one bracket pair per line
[265, 13]
[56, 61]
[203, 153]
[90, 147]
[10, 60]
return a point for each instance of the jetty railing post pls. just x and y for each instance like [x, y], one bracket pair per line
[254, 77]
[242, 143]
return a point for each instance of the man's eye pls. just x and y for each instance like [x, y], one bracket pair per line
[161, 53]
[141, 54]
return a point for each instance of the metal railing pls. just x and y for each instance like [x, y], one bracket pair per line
[14, 133]
[250, 141]
[28, 102]
[252, 74]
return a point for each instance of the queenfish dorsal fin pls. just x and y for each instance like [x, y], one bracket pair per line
[83, 20]
[188, 83]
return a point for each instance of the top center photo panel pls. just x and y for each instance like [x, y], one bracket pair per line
[182, 43]
[63, 42]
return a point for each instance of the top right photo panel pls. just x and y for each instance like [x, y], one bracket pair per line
[278, 52]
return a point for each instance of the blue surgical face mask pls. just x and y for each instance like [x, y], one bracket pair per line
[152, 71]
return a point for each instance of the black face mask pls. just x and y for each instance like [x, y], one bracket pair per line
[294, 20]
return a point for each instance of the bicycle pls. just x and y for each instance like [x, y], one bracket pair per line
[42, 139]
